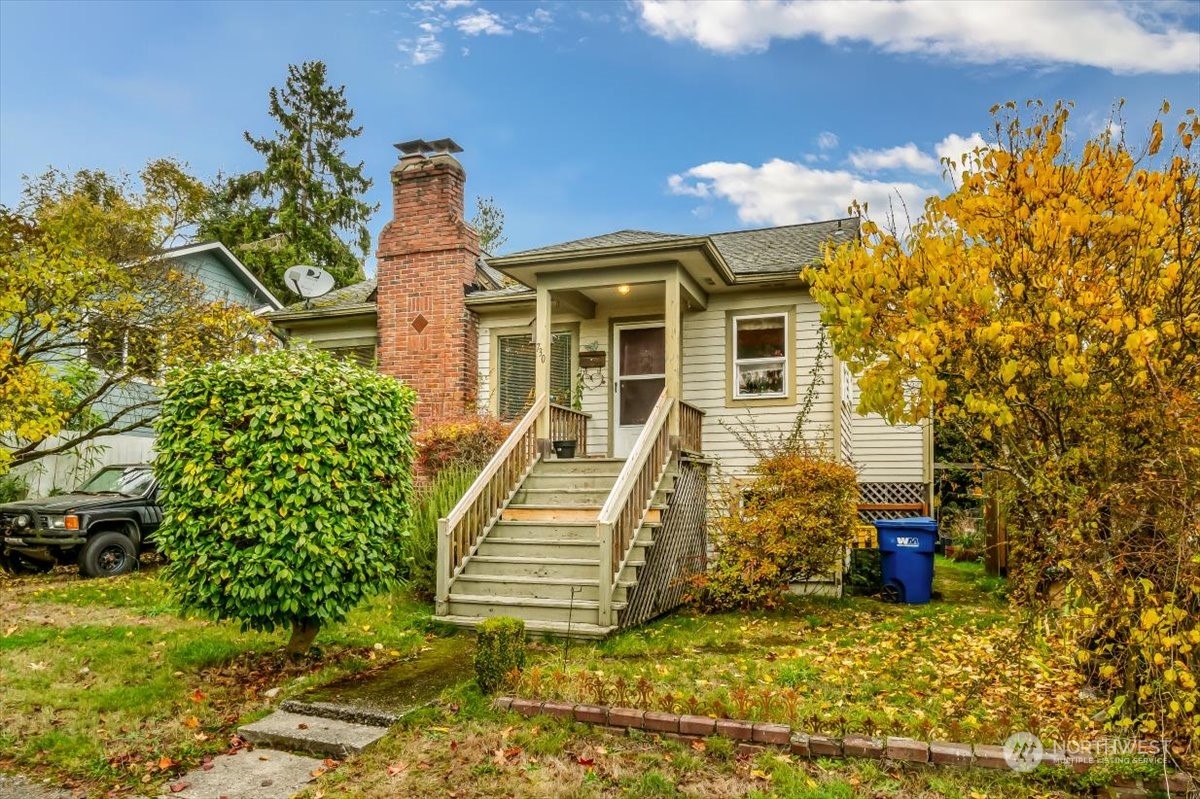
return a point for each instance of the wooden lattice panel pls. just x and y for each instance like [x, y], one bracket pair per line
[891, 501]
[680, 549]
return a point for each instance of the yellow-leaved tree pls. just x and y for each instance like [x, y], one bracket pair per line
[1048, 309]
[90, 315]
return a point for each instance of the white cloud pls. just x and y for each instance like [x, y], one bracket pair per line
[450, 5]
[954, 147]
[907, 157]
[1111, 36]
[827, 140]
[910, 158]
[481, 21]
[536, 22]
[422, 50]
[785, 192]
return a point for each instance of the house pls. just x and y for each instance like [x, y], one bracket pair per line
[650, 351]
[117, 342]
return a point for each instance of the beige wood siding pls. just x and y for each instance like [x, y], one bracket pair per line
[846, 413]
[886, 453]
[705, 376]
[880, 452]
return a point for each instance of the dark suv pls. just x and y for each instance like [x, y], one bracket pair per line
[102, 526]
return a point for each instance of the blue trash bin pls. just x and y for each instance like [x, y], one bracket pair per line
[906, 557]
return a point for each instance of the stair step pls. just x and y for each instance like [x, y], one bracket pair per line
[540, 528]
[561, 497]
[576, 629]
[505, 587]
[591, 466]
[537, 547]
[303, 733]
[530, 602]
[550, 513]
[559, 481]
[530, 609]
[565, 568]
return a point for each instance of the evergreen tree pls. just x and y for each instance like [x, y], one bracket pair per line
[312, 197]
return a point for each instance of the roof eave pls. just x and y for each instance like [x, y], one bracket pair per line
[231, 260]
[314, 314]
[506, 299]
[703, 243]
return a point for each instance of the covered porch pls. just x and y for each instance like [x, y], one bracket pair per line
[586, 544]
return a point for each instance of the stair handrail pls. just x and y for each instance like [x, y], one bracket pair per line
[569, 424]
[691, 428]
[627, 503]
[459, 532]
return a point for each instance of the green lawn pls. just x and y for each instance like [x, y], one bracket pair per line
[960, 668]
[103, 686]
[957, 665]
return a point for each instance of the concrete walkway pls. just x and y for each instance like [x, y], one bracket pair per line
[270, 770]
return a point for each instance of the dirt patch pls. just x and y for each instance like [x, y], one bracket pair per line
[24, 600]
[16, 787]
[53, 614]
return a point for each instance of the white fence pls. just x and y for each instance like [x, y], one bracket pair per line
[65, 471]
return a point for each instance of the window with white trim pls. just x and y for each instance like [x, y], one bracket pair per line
[760, 356]
[516, 357]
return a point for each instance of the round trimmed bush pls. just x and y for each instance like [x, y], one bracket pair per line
[285, 481]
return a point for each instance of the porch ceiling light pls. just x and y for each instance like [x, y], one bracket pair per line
[624, 289]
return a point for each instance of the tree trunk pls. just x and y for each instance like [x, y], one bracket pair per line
[303, 633]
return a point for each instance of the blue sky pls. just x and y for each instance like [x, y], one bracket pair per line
[581, 118]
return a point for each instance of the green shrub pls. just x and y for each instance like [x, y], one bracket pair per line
[285, 488]
[467, 443]
[431, 502]
[499, 648]
[13, 488]
[790, 524]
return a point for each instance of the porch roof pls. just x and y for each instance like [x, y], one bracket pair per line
[746, 254]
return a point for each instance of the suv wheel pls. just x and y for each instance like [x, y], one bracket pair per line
[16, 563]
[107, 555]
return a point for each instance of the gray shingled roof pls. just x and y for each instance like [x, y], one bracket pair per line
[748, 252]
[490, 273]
[617, 239]
[777, 249]
[346, 296]
[515, 290]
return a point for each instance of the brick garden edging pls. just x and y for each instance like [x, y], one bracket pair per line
[754, 736]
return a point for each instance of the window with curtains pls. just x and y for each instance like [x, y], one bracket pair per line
[515, 360]
[760, 356]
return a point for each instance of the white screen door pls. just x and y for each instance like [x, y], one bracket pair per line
[640, 369]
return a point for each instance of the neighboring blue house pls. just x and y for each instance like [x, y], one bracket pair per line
[225, 279]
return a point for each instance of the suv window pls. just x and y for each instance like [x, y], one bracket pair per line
[129, 482]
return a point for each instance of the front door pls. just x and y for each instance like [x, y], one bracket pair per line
[640, 368]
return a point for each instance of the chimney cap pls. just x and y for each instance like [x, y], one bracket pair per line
[422, 147]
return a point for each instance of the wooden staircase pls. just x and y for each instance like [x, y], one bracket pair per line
[540, 561]
[562, 544]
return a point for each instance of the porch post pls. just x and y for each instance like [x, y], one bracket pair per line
[673, 316]
[541, 362]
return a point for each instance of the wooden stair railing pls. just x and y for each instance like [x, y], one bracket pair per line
[460, 531]
[568, 424]
[627, 504]
[691, 426]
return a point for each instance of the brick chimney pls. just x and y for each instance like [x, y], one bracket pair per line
[426, 259]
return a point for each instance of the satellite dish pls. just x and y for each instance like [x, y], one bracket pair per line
[308, 281]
